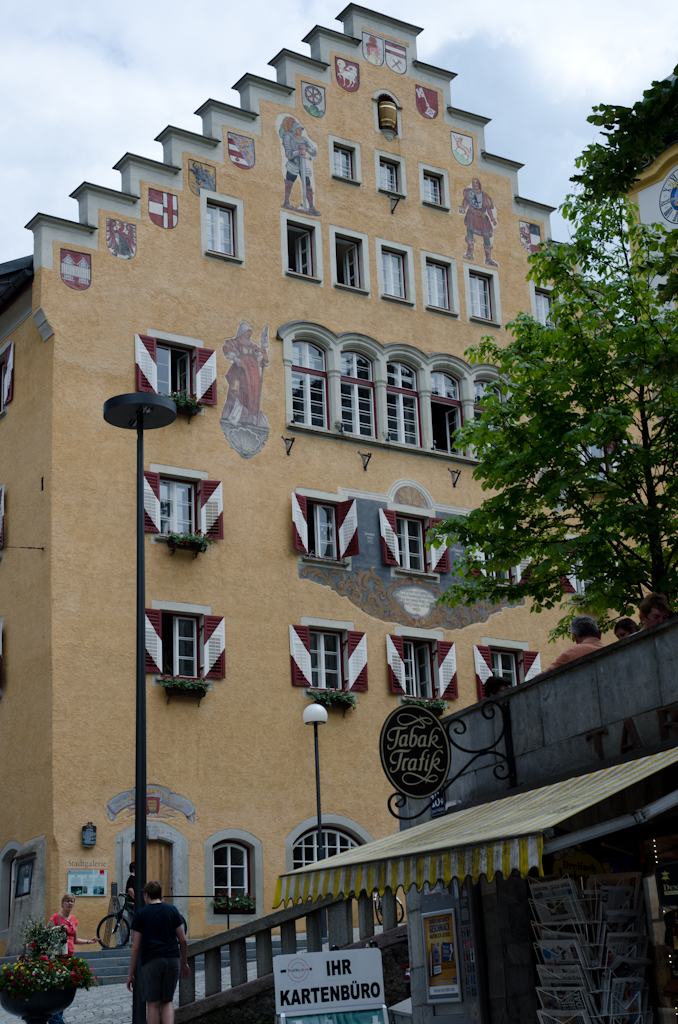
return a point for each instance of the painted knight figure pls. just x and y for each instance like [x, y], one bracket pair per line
[244, 425]
[298, 154]
[479, 213]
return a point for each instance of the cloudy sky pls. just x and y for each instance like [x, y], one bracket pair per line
[84, 83]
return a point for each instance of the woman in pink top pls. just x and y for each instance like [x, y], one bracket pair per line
[69, 923]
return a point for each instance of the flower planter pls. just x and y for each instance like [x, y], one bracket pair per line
[190, 545]
[189, 410]
[39, 1007]
[233, 911]
[430, 705]
[182, 691]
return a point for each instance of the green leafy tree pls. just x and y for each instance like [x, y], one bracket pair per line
[580, 452]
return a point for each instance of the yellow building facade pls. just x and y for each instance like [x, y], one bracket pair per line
[311, 268]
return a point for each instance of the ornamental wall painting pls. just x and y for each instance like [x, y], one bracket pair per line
[242, 421]
[462, 148]
[427, 101]
[347, 73]
[313, 99]
[201, 176]
[241, 150]
[396, 57]
[76, 270]
[530, 236]
[161, 802]
[298, 154]
[480, 218]
[163, 208]
[373, 49]
[121, 239]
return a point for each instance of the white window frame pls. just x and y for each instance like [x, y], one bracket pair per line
[452, 282]
[533, 298]
[315, 506]
[362, 241]
[441, 173]
[417, 642]
[391, 158]
[302, 223]
[404, 549]
[238, 209]
[312, 833]
[321, 670]
[357, 179]
[175, 644]
[354, 383]
[515, 675]
[407, 253]
[173, 482]
[297, 368]
[495, 297]
[246, 874]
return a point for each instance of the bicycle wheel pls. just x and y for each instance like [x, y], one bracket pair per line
[105, 931]
[123, 932]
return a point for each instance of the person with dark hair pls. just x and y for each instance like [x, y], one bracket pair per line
[130, 883]
[624, 628]
[160, 939]
[495, 685]
[654, 610]
[586, 636]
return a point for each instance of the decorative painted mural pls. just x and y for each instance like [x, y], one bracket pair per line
[479, 213]
[427, 101]
[313, 99]
[241, 150]
[161, 803]
[201, 176]
[462, 148]
[373, 49]
[243, 423]
[298, 153]
[121, 239]
[347, 73]
[530, 236]
[163, 208]
[396, 57]
[76, 269]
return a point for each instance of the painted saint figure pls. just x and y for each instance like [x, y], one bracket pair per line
[298, 155]
[245, 377]
[479, 214]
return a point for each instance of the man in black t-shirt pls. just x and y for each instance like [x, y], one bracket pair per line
[160, 938]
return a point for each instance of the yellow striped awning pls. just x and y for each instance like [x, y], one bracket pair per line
[501, 836]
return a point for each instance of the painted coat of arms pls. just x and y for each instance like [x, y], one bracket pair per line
[298, 153]
[241, 150]
[396, 57]
[313, 99]
[201, 176]
[347, 73]
[462, 148]
[163, 208]
[121, 239]
[427, 101]
[76, 269]
[243, 423]
[530, 236]
[373, 49]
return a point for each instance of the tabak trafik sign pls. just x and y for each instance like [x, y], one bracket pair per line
[415, 752]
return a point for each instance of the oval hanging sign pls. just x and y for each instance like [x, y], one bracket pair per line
[415, 752]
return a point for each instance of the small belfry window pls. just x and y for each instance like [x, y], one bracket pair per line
[410, 542]
[437, 285]
[357, 395]
[417, 662]
[433, 192]
[305, 850]
[445, 411]
[180, 646]
[343, 162]
[401, 404]
[348, 262]
[231, 870]
[174, 370]
[322, 537]
[299, 250]
[481, 304]
[177, 506]
[542, 303]
[326, 661]
[393, 270]
[388, 175]
[308, 385]
[220, 233]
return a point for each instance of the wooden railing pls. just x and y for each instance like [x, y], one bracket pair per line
[339, 933]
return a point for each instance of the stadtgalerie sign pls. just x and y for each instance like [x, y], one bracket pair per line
[415, 751]
[333, 981]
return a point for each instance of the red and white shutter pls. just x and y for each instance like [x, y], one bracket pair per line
[8, 378]
[2, 516]
[447, 670]
[214, 649]
[567, 585]
[396, 664]
[206, 376]
[146, 359]
[347, 528]
[300, 523]
[519, 573]
[151, 502]
[300, 655]
[482, 657]
[357, 660]
[153, 640]
[212, 509]
[531, 665]
[388, 528]
[439, 558]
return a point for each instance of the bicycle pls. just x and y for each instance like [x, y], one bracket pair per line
[113, 930]
[376, 899]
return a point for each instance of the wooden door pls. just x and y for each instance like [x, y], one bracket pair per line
[159, 865]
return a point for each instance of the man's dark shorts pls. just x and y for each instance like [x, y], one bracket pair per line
[159, 979]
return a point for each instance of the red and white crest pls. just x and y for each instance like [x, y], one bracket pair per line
[396, 57]
[163, 208]
[347, 74]
[121, 239]
[427, 101]
[76, 269]
[241, 150]
[530, 236]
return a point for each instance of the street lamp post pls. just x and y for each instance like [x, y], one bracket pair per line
[315, 713]
[140, 412]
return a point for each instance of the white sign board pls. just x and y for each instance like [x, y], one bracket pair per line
[88, 883]
[337, 980]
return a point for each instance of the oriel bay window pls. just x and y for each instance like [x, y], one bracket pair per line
[309, 385]
[445, 411]
[401, 403]
[357, 395]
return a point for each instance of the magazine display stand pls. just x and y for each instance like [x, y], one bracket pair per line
[591, 949]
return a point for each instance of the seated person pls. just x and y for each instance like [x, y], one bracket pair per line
[586, 636]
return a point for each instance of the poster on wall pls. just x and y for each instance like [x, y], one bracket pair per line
[440, 949]
[88, 882]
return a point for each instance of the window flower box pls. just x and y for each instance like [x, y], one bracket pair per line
[177, 686]
[234, 904]
[195, 542]
[186, 403]
[438, 707]
[334, 699]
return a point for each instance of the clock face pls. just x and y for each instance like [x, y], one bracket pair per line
[668, 198]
